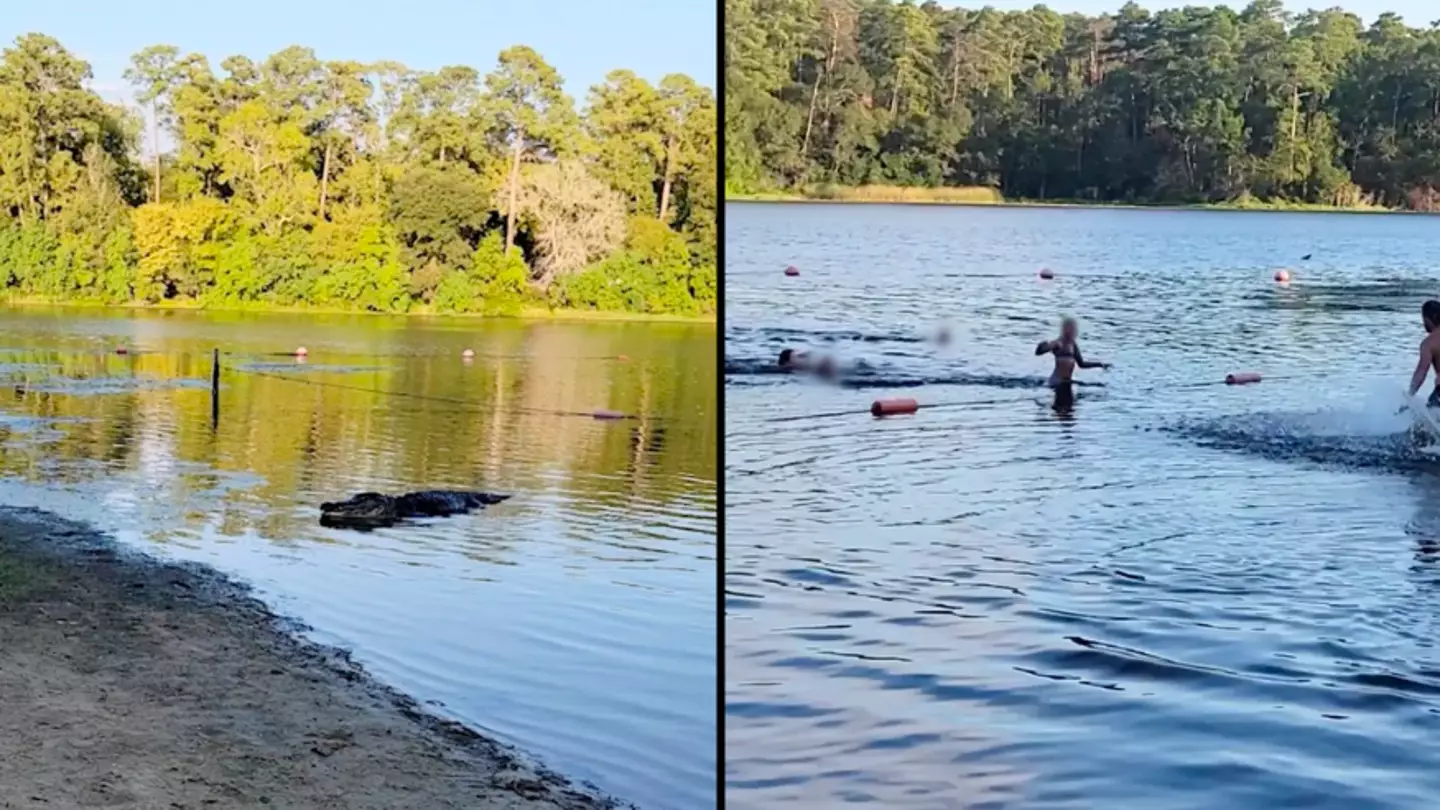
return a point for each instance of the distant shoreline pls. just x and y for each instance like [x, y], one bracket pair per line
[529, 314]
[1246, 207]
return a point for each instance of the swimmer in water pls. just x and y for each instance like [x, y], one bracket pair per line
[1067, 359]
[825, 368]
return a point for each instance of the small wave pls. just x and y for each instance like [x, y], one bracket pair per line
[1385, 295]
[293, 368]
[99, 386]
[821, 335]
[863, 376]
[1331, 439]
[963, 380]
[748, 367]
[20, 369]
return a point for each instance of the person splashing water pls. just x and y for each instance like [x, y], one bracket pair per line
[1067, 359]
[1429, 359]
[1429, 353]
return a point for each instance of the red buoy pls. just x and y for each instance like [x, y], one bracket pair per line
[1282, 275]
[1046, 273]
[1242, 378]
[792, 270]
[893, 407]
[121, 350]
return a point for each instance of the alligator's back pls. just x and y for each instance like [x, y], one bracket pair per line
[443, 502]
[370, 510]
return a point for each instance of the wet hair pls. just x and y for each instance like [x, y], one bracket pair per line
[1430, 311]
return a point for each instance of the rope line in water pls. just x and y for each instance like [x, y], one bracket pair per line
[961, 404]
[257, 356]
[1209, 383]
[866, 411]
[467, 405]
[411, 356]
[470, 405]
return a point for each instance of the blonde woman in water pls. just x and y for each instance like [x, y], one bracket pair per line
[1067, 359]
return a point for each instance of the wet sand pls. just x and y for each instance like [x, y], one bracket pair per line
[131, 683]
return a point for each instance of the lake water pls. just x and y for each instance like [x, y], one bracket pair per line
[576, 620]
[1182, 595]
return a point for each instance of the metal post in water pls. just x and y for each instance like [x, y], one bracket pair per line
[215, 389]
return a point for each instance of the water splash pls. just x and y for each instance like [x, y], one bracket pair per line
[1377, 433]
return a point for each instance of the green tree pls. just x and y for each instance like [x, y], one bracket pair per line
[343, 116]
[153, 73]
[438, 213]
[530, 116]
[266, 164]
[49, 119]
[681, 103]
[621, 126]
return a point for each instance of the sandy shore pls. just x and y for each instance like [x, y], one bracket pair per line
[130, 683]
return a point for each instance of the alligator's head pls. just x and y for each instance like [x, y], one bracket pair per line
[366, 510]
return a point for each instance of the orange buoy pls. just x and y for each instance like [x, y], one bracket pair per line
[468, 354]
[301, 352]
[792, 270]
[1242, 378]
[1282, 275]
[893, 407]
[1046, 273]
[608, 415]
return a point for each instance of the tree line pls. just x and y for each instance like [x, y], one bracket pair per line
[1199, 104]
[302, 182]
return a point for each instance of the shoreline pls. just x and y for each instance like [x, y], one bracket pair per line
[1256, 207]
[135, 682]
[531, 314]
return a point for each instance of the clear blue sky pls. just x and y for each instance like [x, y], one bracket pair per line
[583, 39]
[1418, 13]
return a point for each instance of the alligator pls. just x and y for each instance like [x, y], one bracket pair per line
[371, 510]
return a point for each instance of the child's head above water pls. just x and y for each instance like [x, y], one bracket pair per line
[1430, 312]
[1069, 329]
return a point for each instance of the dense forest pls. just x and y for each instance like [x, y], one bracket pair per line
[302, 182]
[1200, 104]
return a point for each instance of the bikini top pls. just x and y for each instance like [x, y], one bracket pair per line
[1064, 352]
